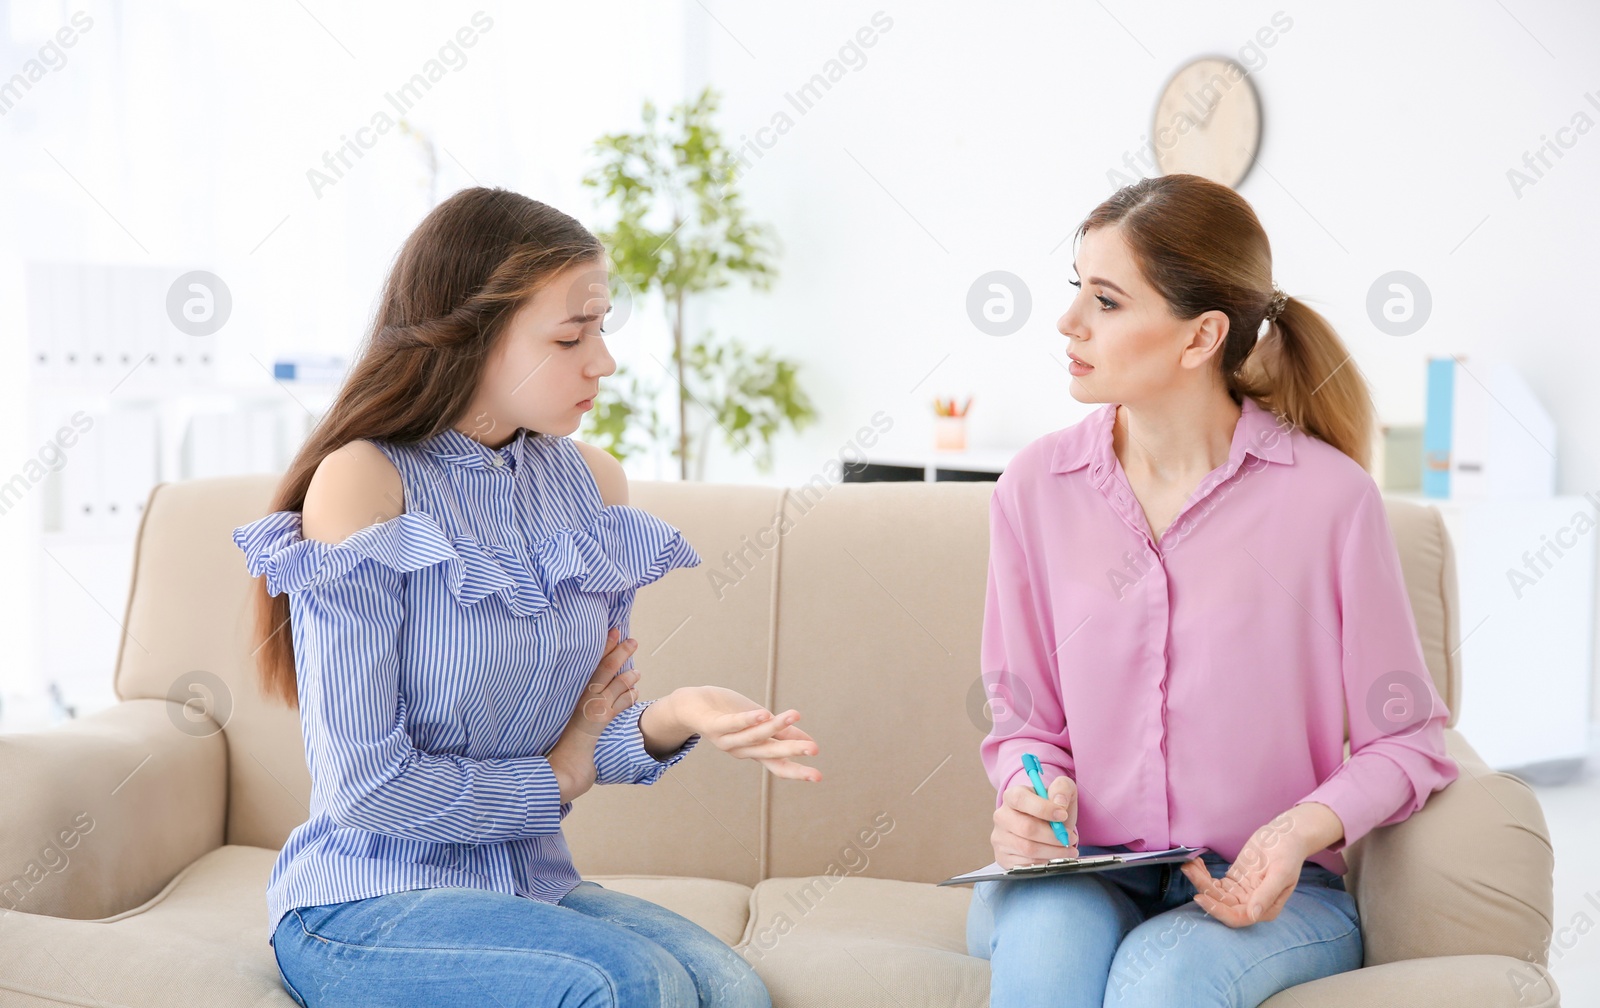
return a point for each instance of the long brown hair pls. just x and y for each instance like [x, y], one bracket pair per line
[461, 275]
[1200, 245]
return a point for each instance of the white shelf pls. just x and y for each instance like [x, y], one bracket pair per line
[259, 390]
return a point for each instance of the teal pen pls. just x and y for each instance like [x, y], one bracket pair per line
[1030, 763]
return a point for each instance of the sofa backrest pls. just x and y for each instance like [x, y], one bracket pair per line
[860, 605]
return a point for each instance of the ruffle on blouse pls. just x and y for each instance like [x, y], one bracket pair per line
[622, 548]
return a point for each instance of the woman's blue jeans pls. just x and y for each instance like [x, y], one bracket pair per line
[597, 948]
[1135, 937]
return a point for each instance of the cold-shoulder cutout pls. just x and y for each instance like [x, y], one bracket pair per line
[607, 473]
[353, 488]
[619, 549]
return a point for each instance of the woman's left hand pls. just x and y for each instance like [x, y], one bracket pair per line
[1259, 881]
[744, 729]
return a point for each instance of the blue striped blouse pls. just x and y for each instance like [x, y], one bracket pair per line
[439, 655]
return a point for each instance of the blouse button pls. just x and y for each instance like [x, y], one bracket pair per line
[497, 461]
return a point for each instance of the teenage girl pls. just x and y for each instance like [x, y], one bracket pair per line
[448, 578]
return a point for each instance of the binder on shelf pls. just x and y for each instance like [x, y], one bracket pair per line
[123, 305]
[176, 345]
[66, 319]
[163, 346]
[112, 435]
[40, 281]
[1486, 435]
[80, 478]
[94, 363]
[99, 327]
[202, 358]
[203, 453]
[310, 369]
[131, 448]
[231, 443]
[264, 441]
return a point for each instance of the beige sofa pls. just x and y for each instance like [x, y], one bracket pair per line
[135, 843]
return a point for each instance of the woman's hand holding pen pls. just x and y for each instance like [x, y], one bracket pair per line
[1022, 833]
[744, 729]
[606, 695]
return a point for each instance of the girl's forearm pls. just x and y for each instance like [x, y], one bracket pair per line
[662, 726]
[573, 772]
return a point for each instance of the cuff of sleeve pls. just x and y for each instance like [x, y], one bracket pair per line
[620, 756]
[1362, 794]
[541, 798]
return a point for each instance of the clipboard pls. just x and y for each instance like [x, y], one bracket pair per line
[1086, 863]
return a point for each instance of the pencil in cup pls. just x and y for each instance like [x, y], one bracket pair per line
[1030, 763]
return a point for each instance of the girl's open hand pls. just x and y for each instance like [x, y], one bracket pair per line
[744, 729]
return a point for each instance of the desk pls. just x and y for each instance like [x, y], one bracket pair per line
[933, 466]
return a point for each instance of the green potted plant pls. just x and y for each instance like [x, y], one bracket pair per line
[679, 229]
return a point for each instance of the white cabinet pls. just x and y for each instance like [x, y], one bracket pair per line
[1526, 571]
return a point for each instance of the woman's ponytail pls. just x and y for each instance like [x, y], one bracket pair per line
[1301, 370]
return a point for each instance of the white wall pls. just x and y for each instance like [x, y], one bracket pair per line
[968, 143]
[970, 140]
[1387, 139]
[180, 133]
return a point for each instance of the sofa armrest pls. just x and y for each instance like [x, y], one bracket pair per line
[1482, 981]
[1470, 873]
[103, 811]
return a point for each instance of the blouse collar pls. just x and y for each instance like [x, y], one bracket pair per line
[456, 448]
[1259, 433]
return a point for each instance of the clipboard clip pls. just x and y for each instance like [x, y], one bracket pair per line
[1093, 859]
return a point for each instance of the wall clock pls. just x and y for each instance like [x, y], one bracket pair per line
[1208, 122]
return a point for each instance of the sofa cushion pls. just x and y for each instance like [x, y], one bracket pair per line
[1482, 981]
[723, 908]
[206, 931]
[828, 940]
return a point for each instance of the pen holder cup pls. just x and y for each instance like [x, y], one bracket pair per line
[950, 433]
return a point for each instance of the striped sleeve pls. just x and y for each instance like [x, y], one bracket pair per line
[619, 755]
[368, 774]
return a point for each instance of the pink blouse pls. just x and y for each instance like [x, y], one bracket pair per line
[1198, 686]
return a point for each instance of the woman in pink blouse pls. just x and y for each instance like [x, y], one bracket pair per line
[1192, 593]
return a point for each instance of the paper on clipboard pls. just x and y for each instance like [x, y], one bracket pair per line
[1107, 861]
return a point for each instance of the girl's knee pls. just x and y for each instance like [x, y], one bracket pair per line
[731, 982]
[719, 977]
[631, 971]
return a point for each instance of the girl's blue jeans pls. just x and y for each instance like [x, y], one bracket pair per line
[1135, 937]
[597, 948]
